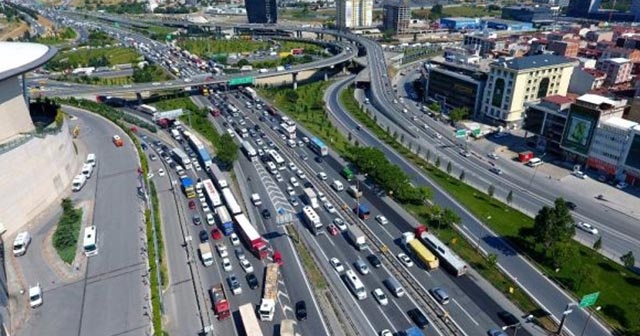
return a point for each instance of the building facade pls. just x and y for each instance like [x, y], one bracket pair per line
[581, 8]
[262, 11]
[610, 145]
[354, 13]
[536, 15]
[546, 120]
[397, 16]
[564, 48]
[585, 80]
[514, 82]
[458, 23]
[485, 42]
[631, 163]
[618, 70]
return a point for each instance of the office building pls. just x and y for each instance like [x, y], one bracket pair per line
[485, 41]
[535, 15]
[460, 23]
[618, 70]
[262, 11]
[354, 13]
[584, 80]
[397, 16]
[514, 82]
[564, 48]
[611, 142]
[581, 8]
[546, 120]
[631, 163]
[510, 25]
[631, 54]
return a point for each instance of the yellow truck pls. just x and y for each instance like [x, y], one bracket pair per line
[420, 251]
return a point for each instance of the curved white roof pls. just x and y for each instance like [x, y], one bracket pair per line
[19, 57]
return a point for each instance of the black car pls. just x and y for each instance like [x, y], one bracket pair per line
[266, 214]
[418, 318]
[261, 118]
[571, 205]
[256, 127]
[318, 159]
[301, 310]
[173, 165]
[252, 280]
[308, 184]
[508, 318]
[204, 236]
[374, 261]
[197, 220]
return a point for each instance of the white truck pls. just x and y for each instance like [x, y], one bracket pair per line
[357, 237]
[205, 254]
[312, 219]
[270, 294]
[311, 198]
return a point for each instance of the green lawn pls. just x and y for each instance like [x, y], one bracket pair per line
[65, 237]
[63, 36]
[83, 57]
[203, 47]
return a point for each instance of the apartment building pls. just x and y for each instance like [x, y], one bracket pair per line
[618, 70]
[354, 13]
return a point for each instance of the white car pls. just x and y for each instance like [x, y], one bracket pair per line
[380, 296]
[382, 219]
[293, 166]
[226, 264]
[337, 265]
[340, 224]
[230, 132]
[290, 191]
[493, 156]
[322, 176]
[210, 219]
[197, 166]
[161, 172]
[205, 207]
[246, 266]
[322, 197]
[222, 250]
[622, 185]
[330, 208]
[587, 227]
[579, 174]
[294, 182]
[386, 332]
[405, 259]
[279, 177]
[301, 174]
[235, 241]
[35, 296]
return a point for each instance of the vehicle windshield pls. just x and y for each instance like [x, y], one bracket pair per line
[89, 248]
[35, 297]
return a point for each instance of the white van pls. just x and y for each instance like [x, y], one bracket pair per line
[78, 182]
[20, 244]
[91, 159]
[87, 170]
[272, 168]
[534, 162]
[337, 185]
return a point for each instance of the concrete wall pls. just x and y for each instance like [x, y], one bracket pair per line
[34, 176]
[287, 79]
[14, 114]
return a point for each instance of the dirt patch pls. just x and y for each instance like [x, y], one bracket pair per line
[15, 32]
[45, 22]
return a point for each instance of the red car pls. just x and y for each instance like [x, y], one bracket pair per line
[215, 234]
[333, 230]
[192, 205]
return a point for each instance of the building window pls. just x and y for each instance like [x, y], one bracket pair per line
[543, 88]
[498, 92]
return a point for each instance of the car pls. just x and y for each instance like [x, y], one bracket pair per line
[374, 261]
[386, 332]
[246, 266]
[465, 153]
[294, 182]
[226, 264]
[493, 156]
[35, 296]
[361, 267]
[496, 170]
[329, 207]
[304, 157]
[602, 178]
[279, 177]
[418, 318]
[337, 265]
[293, 166]
[579, 174]
[322, 176]
[210, 219]
[571, 205]
[290, 191]
[266, 214]
[259, 142]
[382, 219]
[340, 224]
[318, 159]
[404, 259]
[216, 234]
[333, 230]
[440, 294]
[234, 284]
[294, 201]
[252, 281]
[305, 139]
[222, 250]
[587, 228]
[153, 157]
[240, 253]
[307, 184]
[380, 296]
[197, 220]
[508, 318]
[322, 197]
[192, 205]
[204, 236]
[622, 185]
[301, 174]
[235, 241]
[301, 310]
[205, 207]
[496, 332]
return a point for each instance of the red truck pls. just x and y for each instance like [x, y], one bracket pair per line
[215, 112]
[220, 303]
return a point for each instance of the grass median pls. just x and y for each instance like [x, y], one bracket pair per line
[67, 233]
[310, 266]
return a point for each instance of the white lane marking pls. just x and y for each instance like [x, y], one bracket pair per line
[393, 327]
[465, 312]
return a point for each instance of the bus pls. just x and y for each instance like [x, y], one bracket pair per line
[147, 109]
[312, 219]
[355, 285]
[277, 159]
[450, 260]
[90, 242]
[249, 320]
[211, 194]
[318, 147]
[232, 204]
[248, 150]
[181, 158]
[218, 177]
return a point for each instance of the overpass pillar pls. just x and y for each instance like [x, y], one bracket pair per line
[25, 92]
[294, 76]
[326, 74]
[218, 33]
[298, 34]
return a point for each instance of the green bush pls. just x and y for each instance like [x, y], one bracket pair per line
[65, 237]
[107, 112]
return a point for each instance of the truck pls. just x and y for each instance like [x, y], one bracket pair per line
[413, 331]
[220, 302]
[205, 254]
[270, 293]
[252, 238]
[226, 222]
[251, 93]
[420, 251]
[362, 211]
[448, 258]
[148, 109]
[311, 198]
[347, 173]
[187, 187]
[357, 237]
[176, 135]
[354, 191]
[279, 68]
[249, 320]
[287, 328]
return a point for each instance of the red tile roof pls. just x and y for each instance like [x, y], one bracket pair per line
[558, 99]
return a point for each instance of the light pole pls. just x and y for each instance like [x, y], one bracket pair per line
[589, 319]
[516, 327]
[568, 310]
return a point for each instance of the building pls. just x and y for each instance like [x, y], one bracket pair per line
[584, 80]
[631, 163]
[262, 11]
[485, 41]
[460, 23]
[632, 55]
[564, 48]
[397, 16]
[514, 82]
[590, 9]
[582, 8]
[536, 15]
[585, 115]
[618, 70]
[611, 142]
[546, 120]
[510, 25]
[632, 42]
[354, 13]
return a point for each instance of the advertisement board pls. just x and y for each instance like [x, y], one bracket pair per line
[579, 129]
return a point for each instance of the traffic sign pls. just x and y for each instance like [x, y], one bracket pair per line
[461, 133]
[168, 37]
[241, 80]
[589, 300]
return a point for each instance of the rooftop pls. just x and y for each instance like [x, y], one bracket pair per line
[619, 60]
[620, 123]
[18, 57]
[558, 99]
[597, 99]
[536, 61]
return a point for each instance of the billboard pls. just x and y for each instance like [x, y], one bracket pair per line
[579, 129]
[633, 157]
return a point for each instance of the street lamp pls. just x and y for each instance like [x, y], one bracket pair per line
[589, 319]
[516, 327]
[568, 310]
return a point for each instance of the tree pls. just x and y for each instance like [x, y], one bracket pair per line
[597, 245]
[292, 96]
[491, 190]
[462, 176]
[628, 260]
[449, 217]
[562, 253]
[510, 197]
[492, 260]
[227, 150]
[436, 12]
[437, 162]
[449, 167]
[435, 107]
[142, 75]
[554, 225]
[242, 63]
[459, 113]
